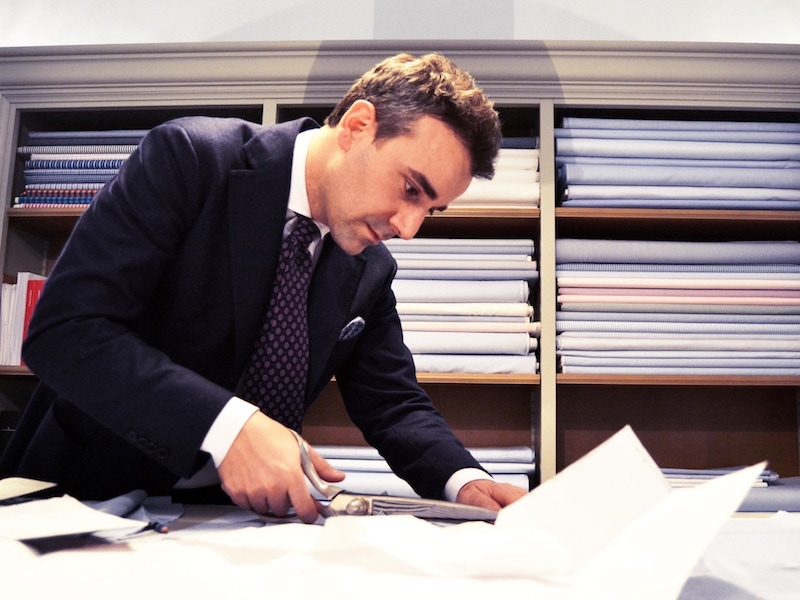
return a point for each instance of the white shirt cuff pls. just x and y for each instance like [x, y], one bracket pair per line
[226, 427]
[461, 478]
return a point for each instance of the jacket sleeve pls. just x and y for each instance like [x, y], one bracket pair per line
[379, 387]
[88, 337]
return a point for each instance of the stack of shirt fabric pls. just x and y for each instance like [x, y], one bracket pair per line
[663, 307]
[515, 184]
[67, 168]
[465, 304]
[368, 473]
[641, 163]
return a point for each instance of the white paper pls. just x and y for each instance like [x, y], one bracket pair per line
[588, 503]
[56, 516]
[12, 487]
[605, 528]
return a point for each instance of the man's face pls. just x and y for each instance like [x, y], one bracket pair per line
[382, 189]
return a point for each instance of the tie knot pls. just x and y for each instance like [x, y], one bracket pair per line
[304, 231]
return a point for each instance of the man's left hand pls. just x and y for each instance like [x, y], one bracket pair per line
[489, 494]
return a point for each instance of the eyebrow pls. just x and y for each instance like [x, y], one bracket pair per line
[424, 184]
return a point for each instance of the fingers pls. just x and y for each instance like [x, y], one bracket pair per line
[489, 494]
[324, 468]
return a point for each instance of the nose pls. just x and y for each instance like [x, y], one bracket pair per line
[407, 221]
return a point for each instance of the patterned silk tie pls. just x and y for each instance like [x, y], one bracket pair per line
[276, 377]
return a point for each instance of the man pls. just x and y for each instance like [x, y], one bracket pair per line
[148, 322]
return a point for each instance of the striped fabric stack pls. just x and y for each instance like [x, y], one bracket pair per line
[66, 168]
[693, 308]
[632, 163]
[368, 473]
[465, 304]
[515, 184]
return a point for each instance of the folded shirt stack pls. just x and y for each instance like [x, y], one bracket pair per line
[368, 473]
[644, 163]
[67, 168]
[465, 304]
[515, 184]
[695, 308]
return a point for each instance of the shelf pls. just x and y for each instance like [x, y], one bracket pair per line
[11, 371]
[45, 222]
[448, 378]
[683, 418]
[479, 378]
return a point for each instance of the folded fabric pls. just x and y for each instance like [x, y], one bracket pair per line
[529, 273]
[686, 204]
[674, 299]
[684, 354]
[672, 307]
[530, 328]
[352, 465]
[567, 361]
[681, 176]
[677, 149]
[692, 281]
[463, 264]
[708, 135]
[719, 371]
[675, 193]
[509, 309]
[784, 495]
[677, 162]
[570, 250]
[452, 342]
[460, 245]
[670, 341]
[677, 327]
[459, 318]
[488, 454]
[487, 364]
[664, 270]
[566, 316]
[756, 293]
[677, 124]
[390, 484]
[427, 290]
[487, 190]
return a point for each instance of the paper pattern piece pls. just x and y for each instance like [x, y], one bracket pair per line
[57, 516]
[12, 487]
[606, 527]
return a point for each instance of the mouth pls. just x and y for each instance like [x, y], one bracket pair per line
[375, 236]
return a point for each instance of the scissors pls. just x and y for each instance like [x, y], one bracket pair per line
[343, 503]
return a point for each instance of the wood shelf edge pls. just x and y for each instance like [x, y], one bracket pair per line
[479, 378]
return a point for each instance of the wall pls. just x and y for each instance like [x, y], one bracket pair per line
[67, 22]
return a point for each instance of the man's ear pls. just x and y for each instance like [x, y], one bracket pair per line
[359, 120]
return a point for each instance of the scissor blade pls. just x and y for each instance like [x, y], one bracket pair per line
[430, 509]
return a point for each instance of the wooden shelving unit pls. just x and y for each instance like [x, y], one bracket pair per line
[533, 84]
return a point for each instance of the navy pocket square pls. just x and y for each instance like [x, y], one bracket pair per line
[352, 329]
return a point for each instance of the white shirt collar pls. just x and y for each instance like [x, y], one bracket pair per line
[298, 193]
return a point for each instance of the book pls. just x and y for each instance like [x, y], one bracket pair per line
[19, 300]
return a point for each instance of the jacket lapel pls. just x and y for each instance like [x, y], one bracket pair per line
[333, 289]
[256, 215]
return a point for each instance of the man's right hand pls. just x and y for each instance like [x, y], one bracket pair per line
[262, 470]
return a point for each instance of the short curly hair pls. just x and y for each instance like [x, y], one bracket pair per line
[403, 88]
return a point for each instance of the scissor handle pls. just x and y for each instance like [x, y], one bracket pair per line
[323, 487]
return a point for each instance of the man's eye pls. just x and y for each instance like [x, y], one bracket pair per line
[411, 190]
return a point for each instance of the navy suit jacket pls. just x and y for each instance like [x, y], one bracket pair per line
[151, 312]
